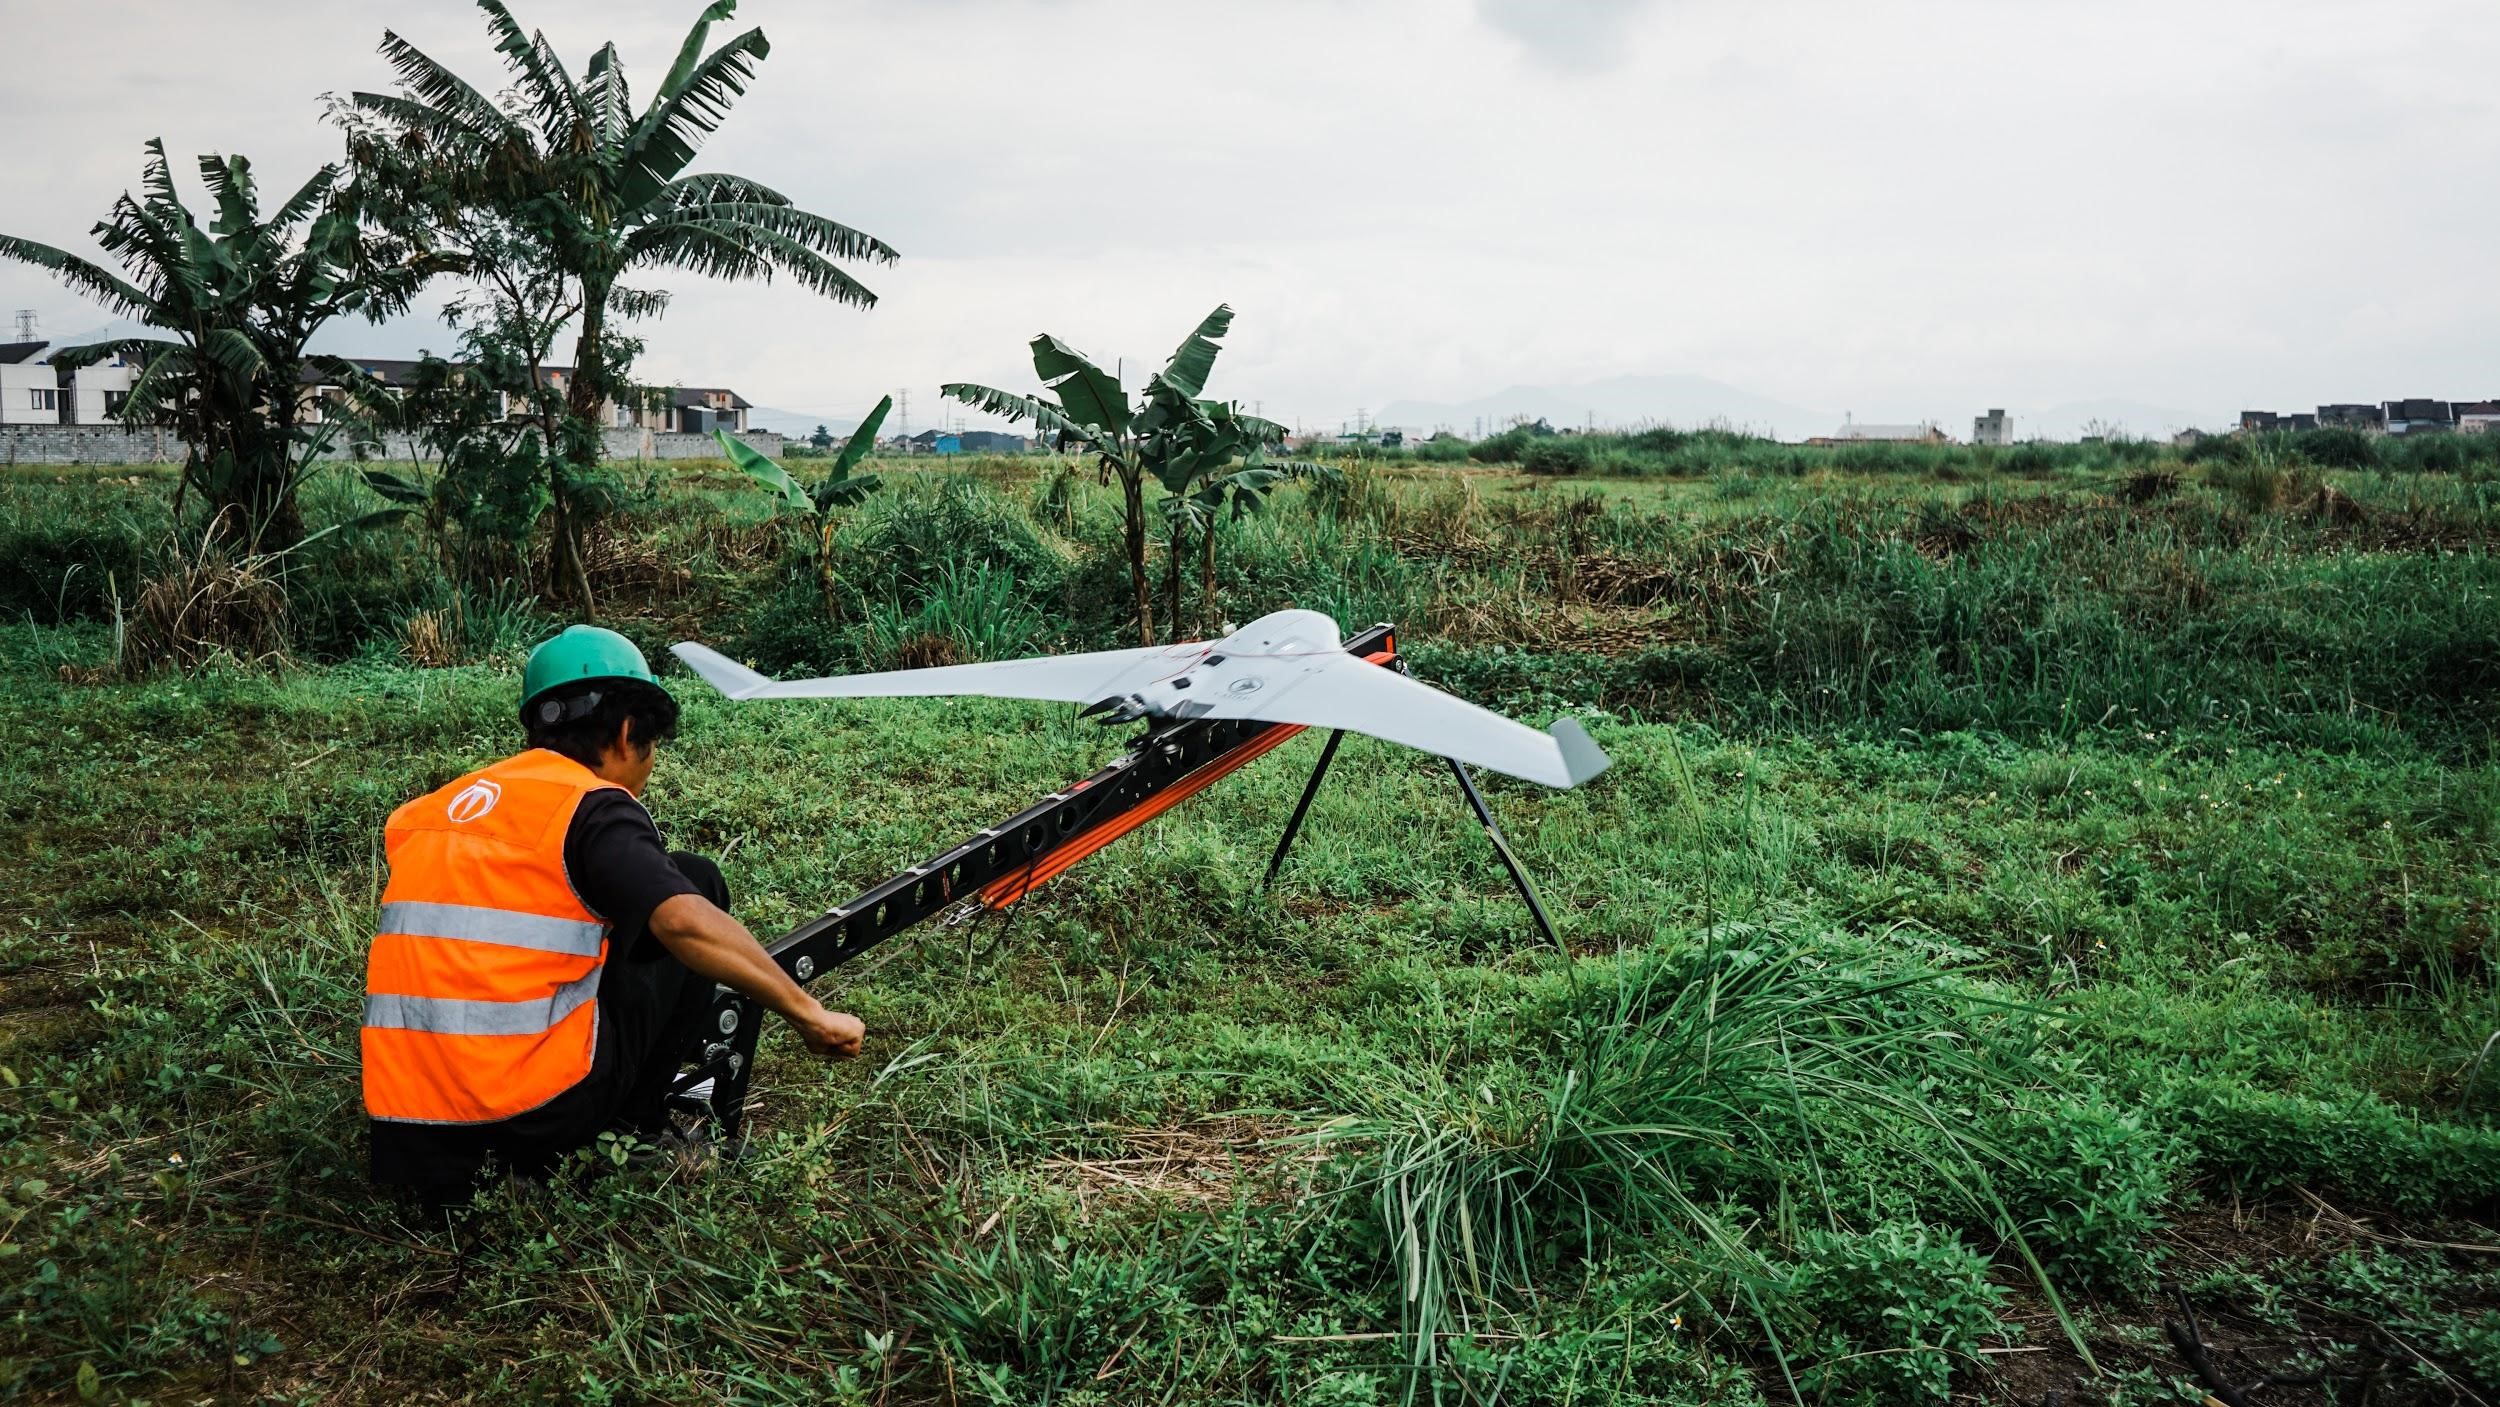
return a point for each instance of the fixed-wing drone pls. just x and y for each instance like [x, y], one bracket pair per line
[1289, 667]
[1210, 708]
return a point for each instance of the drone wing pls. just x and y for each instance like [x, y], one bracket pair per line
[1069, 678]
[1337, 690]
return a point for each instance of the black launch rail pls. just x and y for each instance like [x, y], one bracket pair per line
[1003, 862]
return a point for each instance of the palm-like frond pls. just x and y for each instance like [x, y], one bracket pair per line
[1191, 362]
[229, 182]
[553, 99]
[452, 108]
[1092, 396]
[606, 97]
[1007, 404]
[307, 198]
[91, 280]
[89, 353]
[635, 303]
[737, 251]
[714, 187]
[827, 237]
[863, 439]
[686, 109]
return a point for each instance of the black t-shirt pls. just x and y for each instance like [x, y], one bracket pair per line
[613, 856]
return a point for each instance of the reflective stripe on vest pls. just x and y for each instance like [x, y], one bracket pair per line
[457, 1016]
[482, 982]
[472, 924]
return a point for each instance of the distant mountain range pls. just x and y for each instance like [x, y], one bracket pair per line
[1689, 402]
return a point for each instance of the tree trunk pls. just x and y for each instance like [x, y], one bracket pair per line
[1206, 578]
[581, 406]
[1133, 502]
[1173, 546]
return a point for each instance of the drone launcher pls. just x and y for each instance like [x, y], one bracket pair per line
[1170, 763]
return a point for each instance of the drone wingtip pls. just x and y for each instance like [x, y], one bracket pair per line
[731, 678]
[1582, 757]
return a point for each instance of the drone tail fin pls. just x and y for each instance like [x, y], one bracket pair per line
[720, 671]
[1582, 758]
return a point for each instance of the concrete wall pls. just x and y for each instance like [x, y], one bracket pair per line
[112, 444]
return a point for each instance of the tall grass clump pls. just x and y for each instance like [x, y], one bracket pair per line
[1673, 1094]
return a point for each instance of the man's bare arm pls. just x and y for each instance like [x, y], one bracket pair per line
[717, 946]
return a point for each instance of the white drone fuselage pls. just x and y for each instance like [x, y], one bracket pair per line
[1287, 667]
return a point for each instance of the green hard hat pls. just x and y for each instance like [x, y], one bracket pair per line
[582, 652]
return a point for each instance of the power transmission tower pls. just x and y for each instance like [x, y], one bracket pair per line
[26, 321]
[902, 413]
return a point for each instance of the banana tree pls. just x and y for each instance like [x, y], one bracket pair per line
[596, 190]
[1169, 434]
[230, 309]
[1223, 466]
[839, 488]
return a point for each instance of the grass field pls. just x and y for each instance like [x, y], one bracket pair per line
[2018, 895]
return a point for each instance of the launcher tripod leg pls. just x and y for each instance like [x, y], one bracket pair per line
[1302, 808]
[1501, 847]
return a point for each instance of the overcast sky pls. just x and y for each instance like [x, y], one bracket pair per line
[1910, 210]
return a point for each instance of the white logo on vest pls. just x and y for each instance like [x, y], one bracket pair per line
[474, 800]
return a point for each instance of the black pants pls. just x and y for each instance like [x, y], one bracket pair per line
[651, 1013]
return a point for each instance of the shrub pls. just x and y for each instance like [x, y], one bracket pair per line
[1671, 1083]
[2086, 1182]
[1559, 455]
[2258, 1141]
[67, 553]
[1883, 1316]
[1027, 1316]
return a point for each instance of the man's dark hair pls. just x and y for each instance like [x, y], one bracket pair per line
[580, 720]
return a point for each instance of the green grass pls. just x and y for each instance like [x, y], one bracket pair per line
[2000, 882]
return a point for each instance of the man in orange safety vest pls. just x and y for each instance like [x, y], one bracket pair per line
[542, 960]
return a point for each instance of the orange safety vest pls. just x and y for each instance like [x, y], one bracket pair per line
[480, 987]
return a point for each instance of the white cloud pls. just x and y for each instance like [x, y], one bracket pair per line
[1583, 36]
[1910, 208]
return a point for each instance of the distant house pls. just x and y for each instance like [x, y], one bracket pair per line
[937, 442]
[991, 442]
[690, 409]
[702, 409]
[1994, 428]
[2298, 420]
[2416, 417]
[35, 392]
[2352, 417]
[2257, 422]
[2189, 437]
[1856, 434]
[2477, 417]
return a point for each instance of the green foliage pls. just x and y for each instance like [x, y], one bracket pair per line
[2228, 945]
[2257, 1141]
[1205, 454]
[1669, 1084]
[236, 304]
[1884, 1316]
[560, 197]
[2087, 1183]
[1033, 1316]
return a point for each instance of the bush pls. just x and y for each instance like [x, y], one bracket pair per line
[2086, 1183]
[2258, 1141]
[66, 554]
[1883, 1316]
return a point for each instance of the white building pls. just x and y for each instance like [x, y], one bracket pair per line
[35, 392]
[1994, 428]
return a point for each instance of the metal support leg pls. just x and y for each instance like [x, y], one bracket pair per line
[1501, 847]
[1302, 808]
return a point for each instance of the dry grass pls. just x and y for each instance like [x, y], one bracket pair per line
[217, 603]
